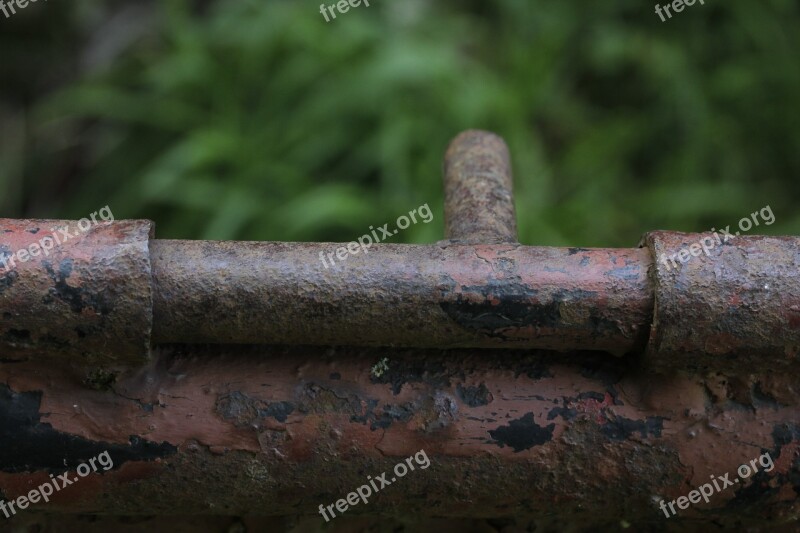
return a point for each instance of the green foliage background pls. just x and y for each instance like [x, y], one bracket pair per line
[258, 120]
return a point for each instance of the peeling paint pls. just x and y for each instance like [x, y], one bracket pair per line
[522, 434]
[28, 444]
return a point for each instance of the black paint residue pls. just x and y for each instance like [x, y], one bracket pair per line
[7, 277]
[245, 410]
[522, 434]
[532, 366]
[474, 396]
[564, 412]
[28, 445]
[76, 297]
[612, 391]
[280, 411]
[416, 370]
[607, 370]
[761, 399]
[392, 413]
[237, 406]
[783, 434]
[628, 272]
[385, 418]
[17, 336]
[100, 379]
[621, 428]
[591, 395]
[368, 415]
[318, 399]
[476, 308]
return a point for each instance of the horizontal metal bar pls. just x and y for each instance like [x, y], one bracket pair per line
[275, 430]
[206, 427]
[736, 306]
[85, 295]
[420, 296]
[101, 296]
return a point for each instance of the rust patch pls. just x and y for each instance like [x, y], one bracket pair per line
[89, 299]
[733, 309]
[643, 434]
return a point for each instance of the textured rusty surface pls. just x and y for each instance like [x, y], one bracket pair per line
[291, 524]
[282, 430]
[96, 297]
[444, 295]
[93, 299]
[479, 202]
[88, 299]
[529, 438]
[738, 307]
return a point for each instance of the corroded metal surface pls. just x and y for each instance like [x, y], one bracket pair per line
[479, 203]
[281, 431]
[94, 300]
[85, 294]
[736, 307]
[576, 437]
[446, 295]
[96, 297]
